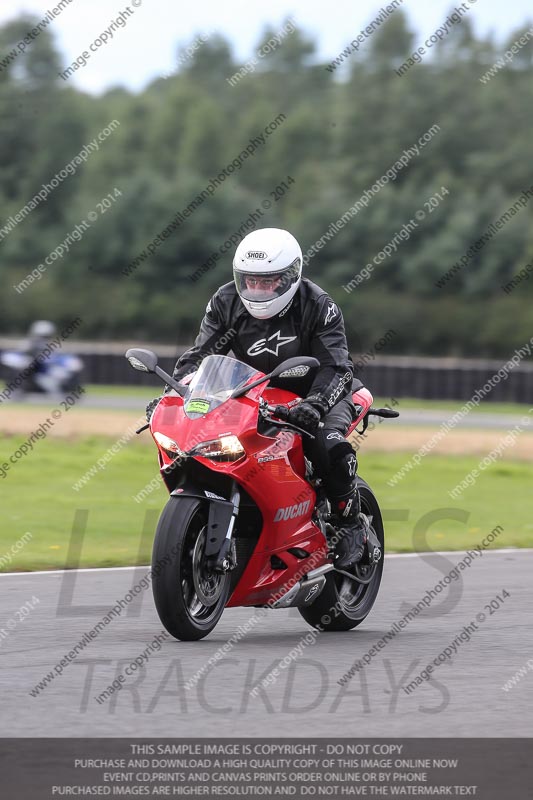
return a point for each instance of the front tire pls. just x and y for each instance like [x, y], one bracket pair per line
[344, 604]
[189, 599]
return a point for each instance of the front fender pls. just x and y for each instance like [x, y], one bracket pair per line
[220, 511]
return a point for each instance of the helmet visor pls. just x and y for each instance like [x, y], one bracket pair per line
[260, 287]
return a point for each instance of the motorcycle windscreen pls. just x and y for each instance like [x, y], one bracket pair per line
[212, 384]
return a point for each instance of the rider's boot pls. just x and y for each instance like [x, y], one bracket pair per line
[352, 530]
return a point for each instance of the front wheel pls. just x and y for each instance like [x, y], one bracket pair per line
[189, 597]
[344, 603]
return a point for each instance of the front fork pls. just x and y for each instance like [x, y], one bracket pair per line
[226, 559]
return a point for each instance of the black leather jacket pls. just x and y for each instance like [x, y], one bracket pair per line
[312, 325]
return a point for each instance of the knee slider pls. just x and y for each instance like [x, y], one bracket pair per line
[342, 454]
[343, 466]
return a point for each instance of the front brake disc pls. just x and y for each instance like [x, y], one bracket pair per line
[208, 585]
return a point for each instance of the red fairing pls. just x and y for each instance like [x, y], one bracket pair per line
[275, 478]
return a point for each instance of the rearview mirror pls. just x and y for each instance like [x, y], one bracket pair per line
[146, 361]
[143, 360]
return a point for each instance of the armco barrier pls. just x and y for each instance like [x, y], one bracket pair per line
[445, 378]
[386, 376]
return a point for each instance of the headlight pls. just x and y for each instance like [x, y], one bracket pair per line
[171, 448]
[227, 448]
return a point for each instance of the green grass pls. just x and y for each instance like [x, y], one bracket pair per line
[143, 392]
[98, 390]
[37, 497]
[497, 498]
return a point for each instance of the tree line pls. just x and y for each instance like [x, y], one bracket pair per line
[126, 207]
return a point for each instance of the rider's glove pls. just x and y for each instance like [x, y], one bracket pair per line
[151, 407]
[308, 413]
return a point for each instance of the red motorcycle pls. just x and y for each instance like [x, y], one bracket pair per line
[247, 522]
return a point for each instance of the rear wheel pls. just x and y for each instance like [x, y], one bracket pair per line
[188, 596]
[344, 603]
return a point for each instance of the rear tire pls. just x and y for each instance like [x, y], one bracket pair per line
[175, 585]
[344, 604]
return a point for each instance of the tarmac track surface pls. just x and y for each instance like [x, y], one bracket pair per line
[463, 698]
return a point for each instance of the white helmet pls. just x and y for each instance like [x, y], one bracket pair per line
[42, 329]
[267, 269]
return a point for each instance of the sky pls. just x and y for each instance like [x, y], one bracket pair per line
[146, 46]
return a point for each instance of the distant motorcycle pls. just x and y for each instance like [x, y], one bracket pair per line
[247, 522]
[58, 374]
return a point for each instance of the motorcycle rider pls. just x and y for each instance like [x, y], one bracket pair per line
[274, 314]
[40, 334]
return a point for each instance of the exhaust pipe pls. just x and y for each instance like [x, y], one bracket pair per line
[306, 590]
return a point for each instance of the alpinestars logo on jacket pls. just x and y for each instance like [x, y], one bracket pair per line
[261, 346]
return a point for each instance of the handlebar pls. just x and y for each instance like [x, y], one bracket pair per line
[282, 412]
[386, 413]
